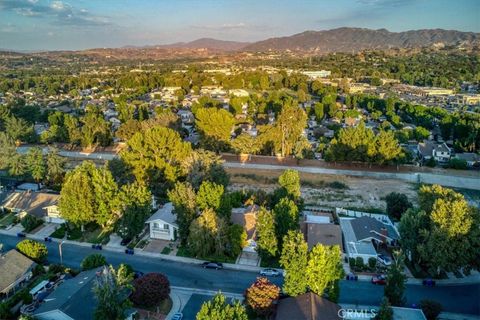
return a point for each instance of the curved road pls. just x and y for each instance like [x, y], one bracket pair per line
[462, 298]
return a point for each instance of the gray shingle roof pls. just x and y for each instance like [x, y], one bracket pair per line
[366, 227]
[74, 297]
[13, 265]
[31, 202]
[165, 213]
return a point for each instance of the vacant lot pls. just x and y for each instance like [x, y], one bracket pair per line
[327, 190]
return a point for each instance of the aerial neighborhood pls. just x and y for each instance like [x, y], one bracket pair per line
[330, 174]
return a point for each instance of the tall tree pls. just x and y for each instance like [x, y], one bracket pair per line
[184, 202]
[208, 235]
[219, 309]
[36, 164]
[290, 181]
[158, 154]
[397, 204]
[111, 292]
[286, 218]
[205, 165]
[395, 287]
[135, 207]
[106, 197]
[215, 126]
[209, 195]
[290, 125]
[294, 261]
[77, 198]
[267, 239]
[55, 167]
[324, 267]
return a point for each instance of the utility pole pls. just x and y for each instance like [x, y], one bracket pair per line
[60, 251]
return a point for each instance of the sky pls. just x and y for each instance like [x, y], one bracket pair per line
[81, 24]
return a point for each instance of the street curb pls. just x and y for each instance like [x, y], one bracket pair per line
[160, 256]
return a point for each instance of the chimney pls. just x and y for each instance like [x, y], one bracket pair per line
[384, 233]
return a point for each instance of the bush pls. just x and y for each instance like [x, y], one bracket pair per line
[372, 263]
[56, 268]
[34, 250]
[38, 270]
[458, 164]
[430, 308]
[351, 262]
[93, 261]
[261, 296]
[150, 290]
[431, 163]
[30, 222]
[359, 263]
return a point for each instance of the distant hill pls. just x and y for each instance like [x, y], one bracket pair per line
[203, 43]
[357, 39]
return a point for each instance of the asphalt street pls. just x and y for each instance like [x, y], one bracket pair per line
[462, 298]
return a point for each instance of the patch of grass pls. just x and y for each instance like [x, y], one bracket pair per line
[367, 209]
[256, 178]
[185, 252]
[7, 219]
[92, 234]
[97, 236]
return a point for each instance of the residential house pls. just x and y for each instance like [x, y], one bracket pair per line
[439, 151]
[39, 204]
[72, 300]
[308, 306]
[363, 235]
[320, 229]
[186, 116]
[247, 218]
[15, 271]
[471, 158]
[163, 223]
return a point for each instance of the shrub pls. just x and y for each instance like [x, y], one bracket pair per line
[351, 262]
[458, 164]
[30, 222]
[34, 250]
[397, 204]
[430, 308]
[38, 270]
[372, 263]
[150, 289]
[337, 185]
[93, 261]
[56, 268]
[359, 263]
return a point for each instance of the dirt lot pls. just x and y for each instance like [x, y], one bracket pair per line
[327, 190]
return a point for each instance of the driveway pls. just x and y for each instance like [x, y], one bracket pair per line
[47, 230]
[248, 258]
[156, 245]
[114, 242]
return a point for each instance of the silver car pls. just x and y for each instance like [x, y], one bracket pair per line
[269, 272]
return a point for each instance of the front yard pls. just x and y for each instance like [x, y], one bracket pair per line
[7, 219]
[92, 234]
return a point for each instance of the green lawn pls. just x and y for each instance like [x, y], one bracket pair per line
[92, 234]
[185, 252]
[6, 220]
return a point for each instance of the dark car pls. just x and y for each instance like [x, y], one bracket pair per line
[137, 274]
[212, 265]
[126, 241]
[379, 279]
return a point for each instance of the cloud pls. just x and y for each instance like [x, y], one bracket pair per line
[385, 3]
[225, 26]
[61, 12]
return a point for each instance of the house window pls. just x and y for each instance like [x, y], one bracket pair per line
[166, 226]
[156, 225]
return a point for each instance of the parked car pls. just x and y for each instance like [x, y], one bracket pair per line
[269, 272]
[212, 265]
[177, 316]
[384, 259]
[379, 279]
[126, 241]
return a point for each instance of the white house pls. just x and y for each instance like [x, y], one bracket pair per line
[40, 204]
[163, 223]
